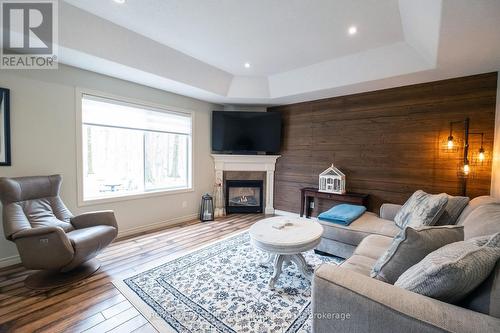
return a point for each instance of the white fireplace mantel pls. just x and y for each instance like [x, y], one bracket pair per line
[267, 163]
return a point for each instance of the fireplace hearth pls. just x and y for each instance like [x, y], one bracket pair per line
[244, 196]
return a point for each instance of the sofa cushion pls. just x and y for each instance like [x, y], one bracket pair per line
[410, 247]
[335, 248]
[453, 271]
[473, 204]
[359, 264]
[367, 224]
[486, 297]
[373, 246]
[482, 221]
[452, 210]
[367, 253]
[421, 209]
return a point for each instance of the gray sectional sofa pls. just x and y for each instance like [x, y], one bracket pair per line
[341, 241]
[375, 306]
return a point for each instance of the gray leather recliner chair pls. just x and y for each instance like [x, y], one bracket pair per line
[48, 237]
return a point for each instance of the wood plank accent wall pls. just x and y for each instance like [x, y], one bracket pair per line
[389, 143]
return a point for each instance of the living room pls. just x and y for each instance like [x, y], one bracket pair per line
[232, 166]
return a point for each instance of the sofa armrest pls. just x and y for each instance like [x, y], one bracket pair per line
[389, 211]
[44, 247]
[92, 219]
[346, 301]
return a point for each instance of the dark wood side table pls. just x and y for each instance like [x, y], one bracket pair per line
[308, 194]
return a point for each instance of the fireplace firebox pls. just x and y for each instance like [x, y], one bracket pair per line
[244, 196]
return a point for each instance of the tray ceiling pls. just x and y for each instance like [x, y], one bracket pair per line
[297, 49]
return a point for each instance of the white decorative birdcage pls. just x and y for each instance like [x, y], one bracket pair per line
[332, 180]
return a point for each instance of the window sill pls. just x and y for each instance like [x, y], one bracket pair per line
[128, 197]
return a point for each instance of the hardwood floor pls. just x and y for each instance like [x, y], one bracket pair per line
[95, 305]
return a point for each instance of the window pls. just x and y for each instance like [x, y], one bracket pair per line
[132, 149]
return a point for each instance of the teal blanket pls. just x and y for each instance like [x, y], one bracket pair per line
[342, 214]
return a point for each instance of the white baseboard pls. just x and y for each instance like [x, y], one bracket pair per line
[157, 225]
[9, 261]
[13, 260]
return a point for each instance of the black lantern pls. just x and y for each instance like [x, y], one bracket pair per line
[207, 208]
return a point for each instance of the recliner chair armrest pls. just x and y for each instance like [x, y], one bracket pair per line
[44, 247]
[389, 211]
[37, 232]
[92, 219]
[376, 306]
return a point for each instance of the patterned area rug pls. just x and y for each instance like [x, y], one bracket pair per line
[222, 288]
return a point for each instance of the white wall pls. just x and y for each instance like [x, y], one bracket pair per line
[495, 177]
[43, 142]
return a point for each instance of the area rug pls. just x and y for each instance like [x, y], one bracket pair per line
[222, 288]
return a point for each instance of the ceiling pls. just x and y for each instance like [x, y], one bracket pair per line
[297, 49]
[273, 36]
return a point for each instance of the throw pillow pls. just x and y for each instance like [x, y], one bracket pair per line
[410, 246]
[452, 210]
[453, 271]
[421, 209]
[486, 297]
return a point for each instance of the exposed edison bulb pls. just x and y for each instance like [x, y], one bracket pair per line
[466, 169]
[481, 155]
[450, 142]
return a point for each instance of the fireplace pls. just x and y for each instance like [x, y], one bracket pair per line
[267, 163]
[244, 196]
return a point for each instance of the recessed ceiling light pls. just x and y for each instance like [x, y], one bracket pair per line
[247, 65]
[121, 2]
[352, 30]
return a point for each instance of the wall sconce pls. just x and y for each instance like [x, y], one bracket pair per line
[450, 137]
[481, 155]
[466, 169]
[451, 144]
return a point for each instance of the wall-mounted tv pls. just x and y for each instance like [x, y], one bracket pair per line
[246, 132]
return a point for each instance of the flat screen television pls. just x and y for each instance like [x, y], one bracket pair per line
[246, 132]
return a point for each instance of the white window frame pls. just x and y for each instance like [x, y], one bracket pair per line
[79, 93]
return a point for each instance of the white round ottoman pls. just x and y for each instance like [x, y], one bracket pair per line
[284, 239]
